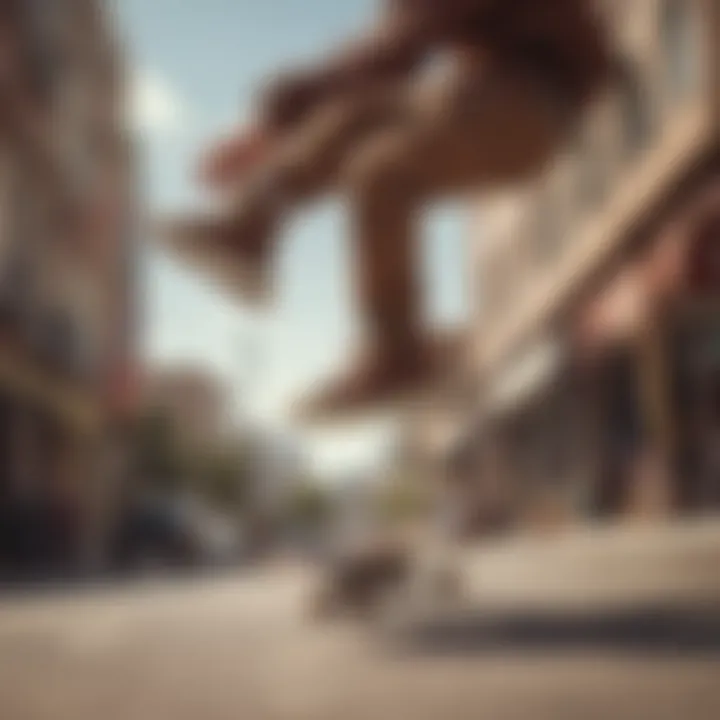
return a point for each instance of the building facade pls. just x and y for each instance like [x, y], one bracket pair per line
[595, 341]
[67, 267]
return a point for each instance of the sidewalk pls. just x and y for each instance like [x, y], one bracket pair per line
[648, 590]
[600, 566]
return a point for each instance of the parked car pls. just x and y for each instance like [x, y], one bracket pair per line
[222, 540]
[176, 532]
[155, 533]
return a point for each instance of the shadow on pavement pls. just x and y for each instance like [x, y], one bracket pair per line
[655, 631]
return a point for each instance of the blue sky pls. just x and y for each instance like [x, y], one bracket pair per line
[196, 66]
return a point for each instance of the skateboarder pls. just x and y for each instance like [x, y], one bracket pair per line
[389, 128]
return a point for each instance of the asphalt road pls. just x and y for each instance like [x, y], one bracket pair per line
[243, 648]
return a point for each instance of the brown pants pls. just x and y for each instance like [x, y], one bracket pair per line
[391, 149]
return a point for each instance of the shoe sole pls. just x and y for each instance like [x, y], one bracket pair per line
[413, 395]
[244, 281]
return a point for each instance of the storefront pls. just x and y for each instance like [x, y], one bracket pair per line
[612, 341]
[47, 435]
[696, 360]
[649, 344]
[692, 294]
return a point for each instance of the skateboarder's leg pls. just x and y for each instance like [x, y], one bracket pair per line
[303, 167]
[479, 133]
[308, 165]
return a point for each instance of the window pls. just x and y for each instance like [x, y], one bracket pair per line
[680, 47]
[635, 115]
[72, 309]
[18, 271]
[40, 19]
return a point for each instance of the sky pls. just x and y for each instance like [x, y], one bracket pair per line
[195, 67]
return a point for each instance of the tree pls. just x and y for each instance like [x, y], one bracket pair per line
[223, 477]
[160, 462]
[309, 505]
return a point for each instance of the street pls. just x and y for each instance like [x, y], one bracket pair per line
[242, 647]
